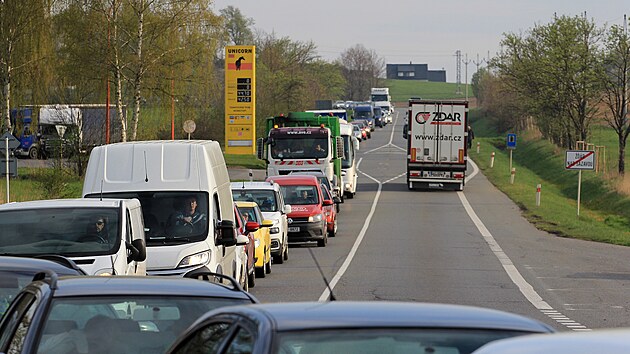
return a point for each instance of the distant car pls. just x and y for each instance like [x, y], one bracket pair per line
[17, 272]
[358, 133]
[331, 213]
[364, 127]
[609, 341]
[105, 314]
[251, 212]
[352, 327]
[245, 251]
[269, 198]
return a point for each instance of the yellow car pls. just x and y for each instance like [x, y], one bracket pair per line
[251, 213]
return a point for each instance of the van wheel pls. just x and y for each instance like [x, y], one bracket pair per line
[33, 153]
[350, 195]
[251, 279]
[285, 255]
[243, 280]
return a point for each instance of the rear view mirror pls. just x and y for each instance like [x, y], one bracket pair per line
[328, 202]
[226, 233]
[287, 209]
[252, 226]
[242, 240]
[405, 131]
[260, 148]
[138, 250]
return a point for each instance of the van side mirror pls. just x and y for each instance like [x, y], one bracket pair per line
[328, 202]
[405, 131]
[242, 240]
[226, 235]
[138, 251]
[287, 209]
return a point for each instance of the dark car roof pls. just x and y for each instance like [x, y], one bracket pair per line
[35, 265]
[384, 314]
[146, 285]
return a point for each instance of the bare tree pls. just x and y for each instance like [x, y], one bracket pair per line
[617, 64]
[362, 69]
[19, 21]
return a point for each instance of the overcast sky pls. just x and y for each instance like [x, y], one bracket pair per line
[418, 31]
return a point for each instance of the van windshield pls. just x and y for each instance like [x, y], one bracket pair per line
[69, 232]
[170, 217]
[265, 198]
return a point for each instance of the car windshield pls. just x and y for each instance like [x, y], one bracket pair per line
[265, 198]
[300, 195]
[121, 324]
[70, 232]
[368, 341]
[363, 114]
[170, 217]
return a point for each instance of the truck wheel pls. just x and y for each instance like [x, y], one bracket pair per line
[33, 153]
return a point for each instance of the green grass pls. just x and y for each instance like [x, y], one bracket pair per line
[403, 90]
[604, 214]
[245, 161]
[41, 183]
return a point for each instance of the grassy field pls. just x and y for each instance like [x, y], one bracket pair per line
[402, 90]
[604, 213]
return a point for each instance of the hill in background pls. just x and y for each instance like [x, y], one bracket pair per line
[403, 90]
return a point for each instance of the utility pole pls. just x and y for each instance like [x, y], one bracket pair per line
[466, 62]
[478, 62]
[458, 59]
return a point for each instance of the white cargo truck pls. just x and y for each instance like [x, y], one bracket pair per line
[436, 133]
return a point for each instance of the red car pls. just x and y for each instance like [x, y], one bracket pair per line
[307, 220]
[248, 249]
[331, 212]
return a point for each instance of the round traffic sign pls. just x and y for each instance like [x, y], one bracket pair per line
[189, 126]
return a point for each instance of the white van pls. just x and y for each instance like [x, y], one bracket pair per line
[103, 237]
[184, 189]
[349, 173]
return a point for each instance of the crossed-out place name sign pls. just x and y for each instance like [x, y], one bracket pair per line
[579, 160]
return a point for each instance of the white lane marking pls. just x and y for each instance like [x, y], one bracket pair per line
[526, 289]
[395, 178]
[346, 263]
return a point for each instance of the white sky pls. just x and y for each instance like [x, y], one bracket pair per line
[418, 31]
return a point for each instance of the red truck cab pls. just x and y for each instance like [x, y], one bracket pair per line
[307, 220]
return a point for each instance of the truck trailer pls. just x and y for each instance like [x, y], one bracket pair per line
[436, 133]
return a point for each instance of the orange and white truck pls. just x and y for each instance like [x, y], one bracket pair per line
[437, 134]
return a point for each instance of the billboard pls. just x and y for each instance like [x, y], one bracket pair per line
[240, 100]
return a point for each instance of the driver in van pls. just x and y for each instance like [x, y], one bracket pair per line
[188, 219]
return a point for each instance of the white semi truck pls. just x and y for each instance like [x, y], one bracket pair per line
[436, 133]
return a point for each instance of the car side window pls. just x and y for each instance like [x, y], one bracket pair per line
[208, 339]
[16, 323]
[243, 342]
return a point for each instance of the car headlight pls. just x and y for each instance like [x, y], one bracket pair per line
[257, 242]
[315, 218]
[274, 230]
[195, 259]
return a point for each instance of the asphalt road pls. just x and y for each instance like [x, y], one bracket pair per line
[471, 247]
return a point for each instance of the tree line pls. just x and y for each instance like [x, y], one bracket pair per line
[148, 53]
[566, 75]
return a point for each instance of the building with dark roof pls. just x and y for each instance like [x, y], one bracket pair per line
[415, 72]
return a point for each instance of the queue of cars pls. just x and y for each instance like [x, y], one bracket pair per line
[251, 225]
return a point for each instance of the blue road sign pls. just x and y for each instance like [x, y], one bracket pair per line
[511, 141]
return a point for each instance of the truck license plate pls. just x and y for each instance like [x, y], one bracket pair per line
[294, 229]
[436, 174]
